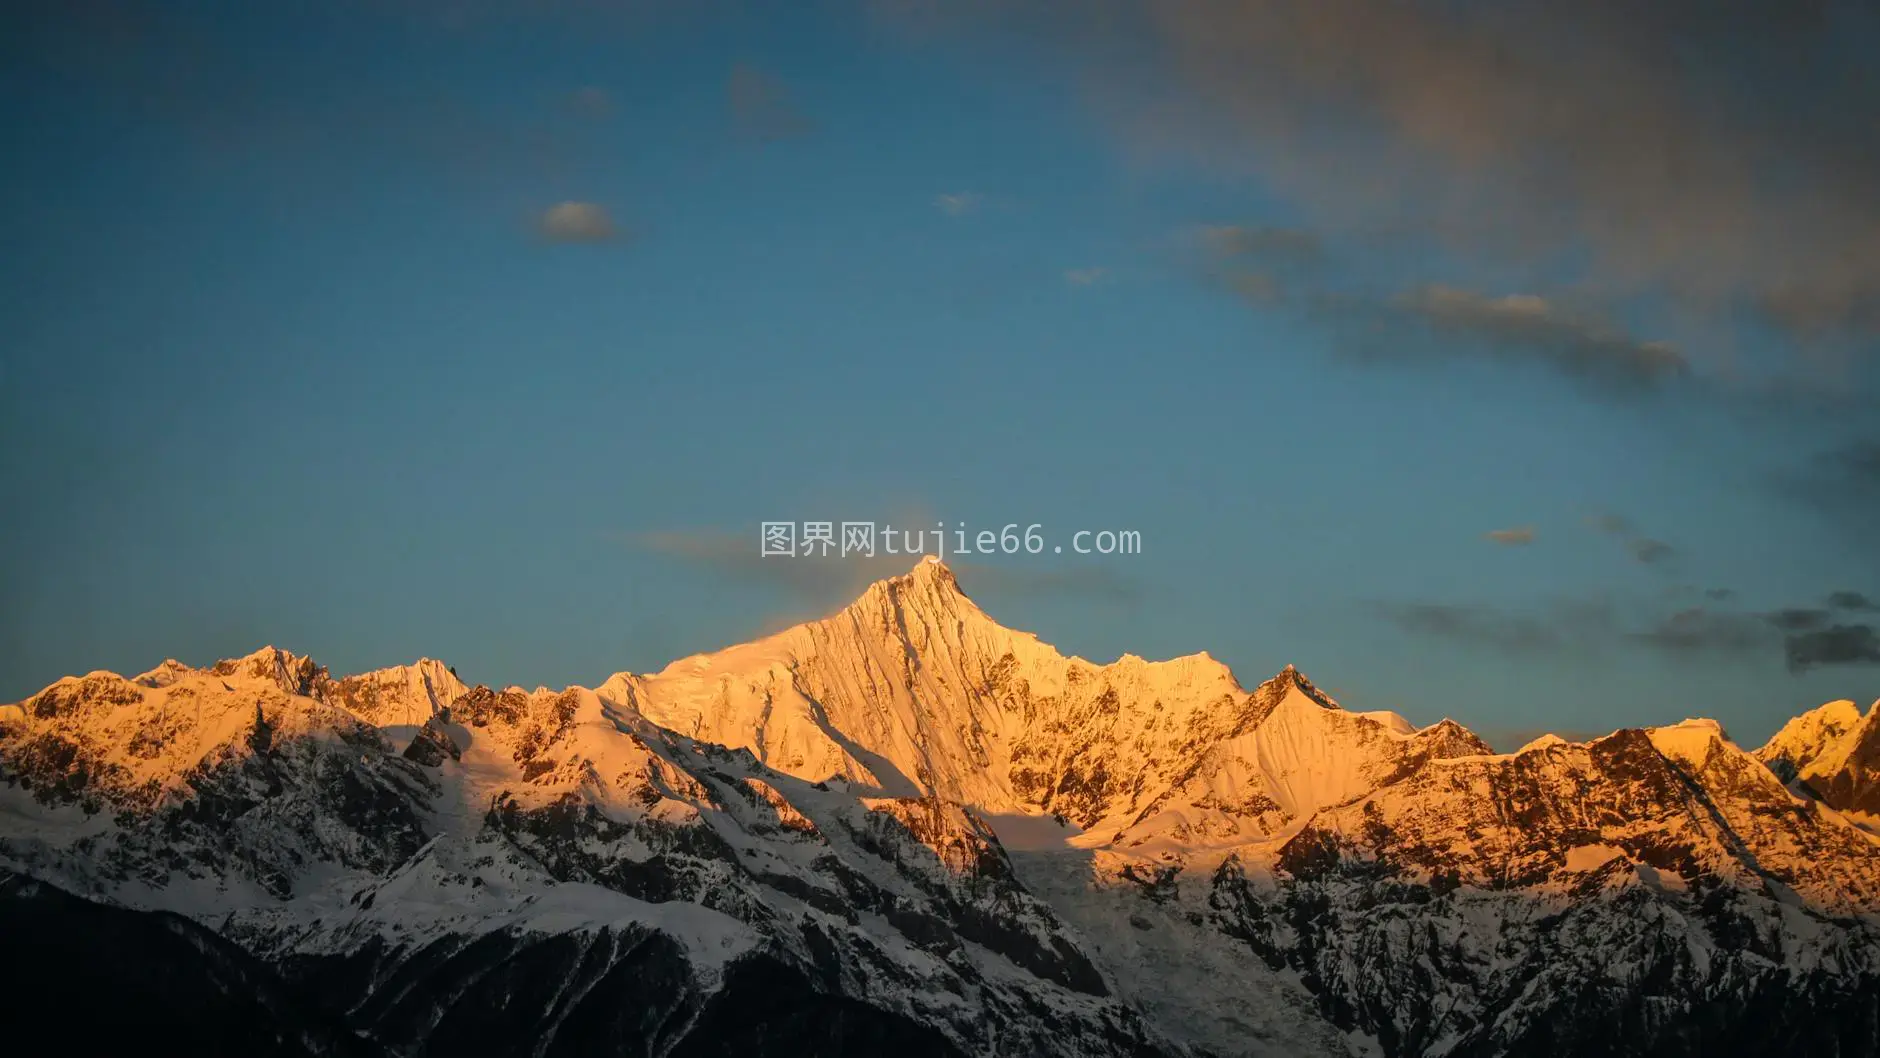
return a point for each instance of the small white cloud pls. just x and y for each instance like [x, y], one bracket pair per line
[957, 203]
[578, 222]
[1086, 277]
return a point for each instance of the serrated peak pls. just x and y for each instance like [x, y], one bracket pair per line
[293, 673]
[1290, 679]
[930, 564]
[929, 587]
[932, 573]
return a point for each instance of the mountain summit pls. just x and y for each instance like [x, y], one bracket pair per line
[913, 690]
[905, 826]
[1834, 752]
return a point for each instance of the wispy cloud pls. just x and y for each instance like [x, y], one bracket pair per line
[1561, 626]
[1804, 637]
[1818, 637]
[1517, 537]
[1273, 245]
[1649, 551]
[1582, 628]
[1857, 602]
[1705, 630]
[1842, 644]
[1797, 619]
[1256, 288]
[1645, 549]
[1262, 265]
[763, 107]
[1432, 324]
[578, 222]
[1527, 327]
[1515, 135]
[1525, 133]
[958, 203]
[1842, 481]
[1086, 277]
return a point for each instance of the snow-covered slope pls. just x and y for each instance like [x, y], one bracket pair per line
[555, 841]
[914, 690]
[1813, 737]
[907, 828]
[1835, 751]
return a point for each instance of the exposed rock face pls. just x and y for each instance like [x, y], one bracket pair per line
[906, 828]
[407, 695]
[1594, 898]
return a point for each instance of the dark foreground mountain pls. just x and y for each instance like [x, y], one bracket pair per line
[906, 829]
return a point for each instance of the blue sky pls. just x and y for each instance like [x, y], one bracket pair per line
[298, 353]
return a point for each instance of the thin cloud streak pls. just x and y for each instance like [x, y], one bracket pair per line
[1529, 327]
[1803, 638]
[1646, 550]
[1264, 243]
[578, 222]
[1858, 602]
[1433, 323]
[1841, 644]
[1572, 627]
[1649, 551]
[957, 203]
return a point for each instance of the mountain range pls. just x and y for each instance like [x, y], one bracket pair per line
[907, 827]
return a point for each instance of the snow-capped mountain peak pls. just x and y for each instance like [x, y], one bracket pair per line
[1834, 750]
[401, 695]
[1809, 736]
[892, 813]
[1290, 680]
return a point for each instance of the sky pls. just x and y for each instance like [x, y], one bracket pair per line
[1514, 363]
